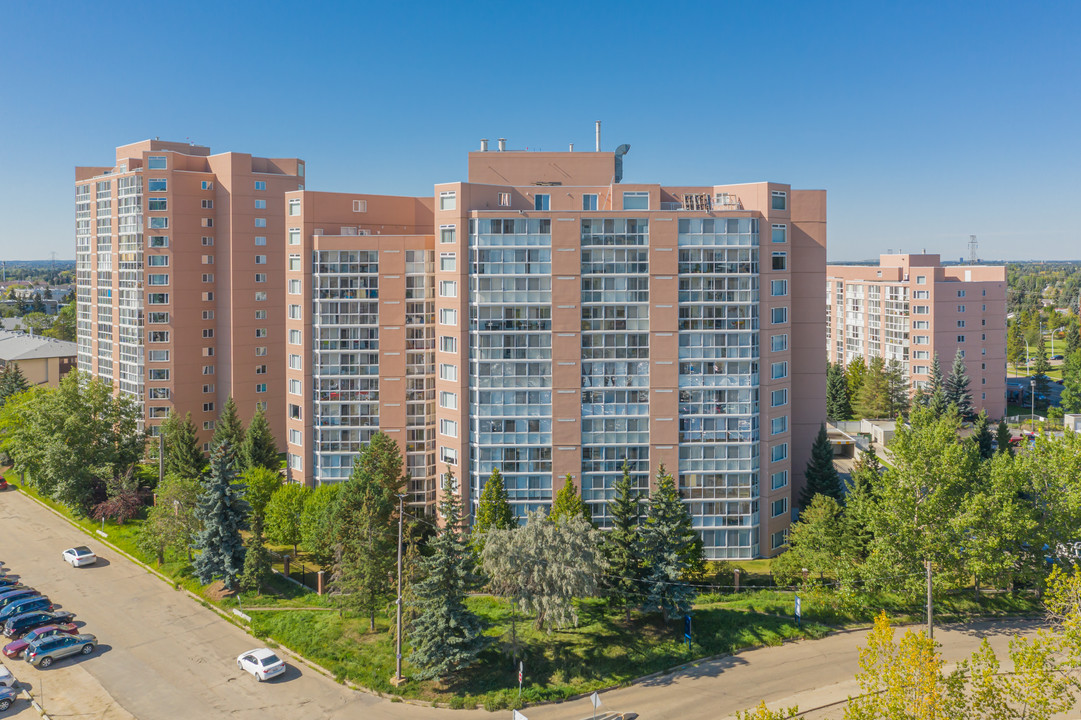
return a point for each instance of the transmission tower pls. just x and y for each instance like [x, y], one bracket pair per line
[973, 246]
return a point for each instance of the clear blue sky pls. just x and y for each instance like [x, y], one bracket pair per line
[926, 122]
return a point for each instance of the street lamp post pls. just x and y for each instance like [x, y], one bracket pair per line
[1032, 386]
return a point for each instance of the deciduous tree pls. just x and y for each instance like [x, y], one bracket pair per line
[283, 515]
[260, 484]
[317, 523]
[171, 523]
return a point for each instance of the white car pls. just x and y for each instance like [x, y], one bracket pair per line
[261, 663]
[79, 556]
[6, 678]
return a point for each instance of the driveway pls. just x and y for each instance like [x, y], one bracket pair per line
[164, 656]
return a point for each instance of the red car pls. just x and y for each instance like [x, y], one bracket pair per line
[3, 483]
[15, 648]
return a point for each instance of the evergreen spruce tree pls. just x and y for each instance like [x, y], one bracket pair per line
[259, 448]
[956, 387]
[1002, 438]
[897, 388]
[622, 545]
[230, 429]
[38, 305]
[221, 511]
[874, 397]
[257, 566]
[1073, 336]
[982, 435]
[838, 404]
[667, 536]
[12, 382]
[446, 637]
[935, 384]
[493, 510]
[183, 456]
[855, 375]
[822, 476]
[568, 503]
[1040, 366]
[1070, 399]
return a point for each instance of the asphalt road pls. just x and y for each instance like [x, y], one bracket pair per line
[165, 657]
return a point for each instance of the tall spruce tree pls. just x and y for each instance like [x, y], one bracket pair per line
[822, 476]
[1040, 366]
[935, 383]
[259, 448]
[446, 637]
[667, 538]
[12, 382]
[982, 435]
[1070, 399]
[229, 428]
[897, 388]
[1002, 438]
[622, 545]
[183, 456]
[493, 510]
[956, 387]
[568, 503]
[221, 511]
[257, 565]
[874, 397]
[855, 374]
[838, 404]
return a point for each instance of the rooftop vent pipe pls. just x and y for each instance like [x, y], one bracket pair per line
[598, 136]
[484, 144]
[502, 144]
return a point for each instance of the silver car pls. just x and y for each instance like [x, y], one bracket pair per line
[43, 652]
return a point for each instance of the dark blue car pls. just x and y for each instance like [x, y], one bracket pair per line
[9, 597]
[25, 605]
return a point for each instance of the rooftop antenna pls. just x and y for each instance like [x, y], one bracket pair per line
[973, 246]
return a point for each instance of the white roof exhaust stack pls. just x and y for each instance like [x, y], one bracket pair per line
[484, 144]
[598, 136]
[571, 148]
[502, 144]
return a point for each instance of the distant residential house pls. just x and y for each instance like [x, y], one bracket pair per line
[43, 361]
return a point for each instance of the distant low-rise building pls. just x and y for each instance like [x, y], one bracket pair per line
[43, 361]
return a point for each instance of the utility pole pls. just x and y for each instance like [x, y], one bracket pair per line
[930, 609]
[398, 635]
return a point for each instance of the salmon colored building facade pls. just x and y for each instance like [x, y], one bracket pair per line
[180, 269]
[546, 319]
[910, 307]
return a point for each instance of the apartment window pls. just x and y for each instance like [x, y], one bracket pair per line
[447, 234]
[260, 369]
[778, 452]
[921, 279]
[260, 388]
[921, 355]
[260, 277]
[260, 240]
[208, 222]
[448, 372]
[157, 412]
[921, 309]
[156, 162]
[778, 507]
[780, 200]
[779, 398]
[779, 234]
[296, 437]
[448, 316]
[504, 199]
[294, 412]
[589, 201]
[358, 205]
[294, 236]
[919, 369]
[921, 340]
[960, 338]
[294, 207]
[921, 295]
[778, 315]
[208, 277]
[448, 400]
[261, 296]
[209, 204]
[448, 288]
[157, 318]
[158, 223]
[448, 428]
[157, 185]
[208, 407]
[448, 455]
[448, 262]
[208, 297]
[158, 373]
[207, 259]
[921, 325]
[960, 323]
[778, 425]
[778, 539]
[778, 370]
[260, 259]
[295, 337]
[208, 425]
[778, 343]
[260, 351]
[448, 200]
[448, 344]
[157, 204]
[158, 241]
[295, 362]
[208, 333]
[157, 260]
[260, 204]
[208, 314]
[296, 462]
[778, 288]
[294, 386]
[636, 200]
[778, 480]
[260, 332]
[260, 314]
[208, 369]
[206, 185]
[158, 355]
[294, 312]
[158, 336]
[260, 222]
[260, 184]
[294, 262]
[207, 241]
[780, 261]
[208, 388]
[542, 201]
[159, 393]
[294, 287]
[960, 308]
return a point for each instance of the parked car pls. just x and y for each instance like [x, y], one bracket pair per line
[26, 605]
[1057, 357]
[15, 648]
[8, 582]
[3, 483]
[25, 622]
[44, 652]
[79, 556]
[7, 697]
[262, 663]
[6, 678]
[8, 597]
